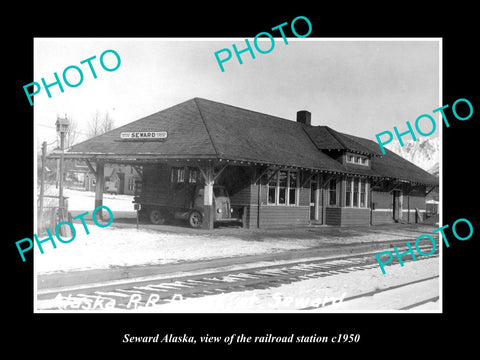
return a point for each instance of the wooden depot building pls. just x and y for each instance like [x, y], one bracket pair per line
[278, 171]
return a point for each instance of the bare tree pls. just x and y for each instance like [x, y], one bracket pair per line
[94, 125]
[107, 123]
[98, 126]
[72, 134]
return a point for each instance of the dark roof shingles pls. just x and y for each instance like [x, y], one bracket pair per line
[200, 127]
[186, 135]
[240, 134]
[325, 138]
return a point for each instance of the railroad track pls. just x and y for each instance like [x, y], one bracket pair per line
[425, 298]
[157, 291]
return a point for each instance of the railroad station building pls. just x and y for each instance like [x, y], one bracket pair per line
[277, 171]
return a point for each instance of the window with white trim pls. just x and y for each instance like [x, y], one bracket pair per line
[178, 174]
[282, 187]
[272, 188]
[193, 175]
[131, 184]
[355, 192]
[292, 187]
[332, 192]
[348, 192]
[357, 159]
[363, 193]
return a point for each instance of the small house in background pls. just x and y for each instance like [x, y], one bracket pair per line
[119, 179]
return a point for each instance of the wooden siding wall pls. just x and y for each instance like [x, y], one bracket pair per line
[382, 217]
[347, 216]
[333, 216]
[277, 215]
[416, 201]
[274, 216]
[241, 196]
[355, 216]
[304, 196]
[383, 200]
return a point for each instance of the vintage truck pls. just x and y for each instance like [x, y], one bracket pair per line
[167, 193]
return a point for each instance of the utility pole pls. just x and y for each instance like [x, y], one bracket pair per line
[62, 128]
[60, 189]
[42, 174]
[42, 184]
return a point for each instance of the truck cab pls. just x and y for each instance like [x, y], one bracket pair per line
[221, 202]
[193, 212]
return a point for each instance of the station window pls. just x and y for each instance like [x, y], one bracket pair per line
[272, 188]
[355, 192]
[332, 192]
[363, 186]
[131, 184]
[348, 192]
[360, 160]
[292, 187]
[193, 175]
[178, 174]
[282, 187]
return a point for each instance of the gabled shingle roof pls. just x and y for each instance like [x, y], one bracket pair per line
[240, 134]
[204, 128]
[200, 128]
[186, 131]
[325, 138]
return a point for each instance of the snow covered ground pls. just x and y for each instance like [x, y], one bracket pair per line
[124, 245]
[301, 294]
[311, 293]
[325, 294]
[85, 200]
[110, 247]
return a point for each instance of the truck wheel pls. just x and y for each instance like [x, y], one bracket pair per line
[157, 217]
[195, 219]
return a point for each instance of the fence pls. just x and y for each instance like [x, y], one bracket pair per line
[50, 215]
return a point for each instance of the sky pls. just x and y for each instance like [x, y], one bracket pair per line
[360, 87]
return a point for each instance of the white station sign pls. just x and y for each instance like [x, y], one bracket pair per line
[143, 135]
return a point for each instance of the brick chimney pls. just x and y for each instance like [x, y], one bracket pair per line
[304, 117]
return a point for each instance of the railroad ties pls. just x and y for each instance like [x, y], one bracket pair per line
[198, 285]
